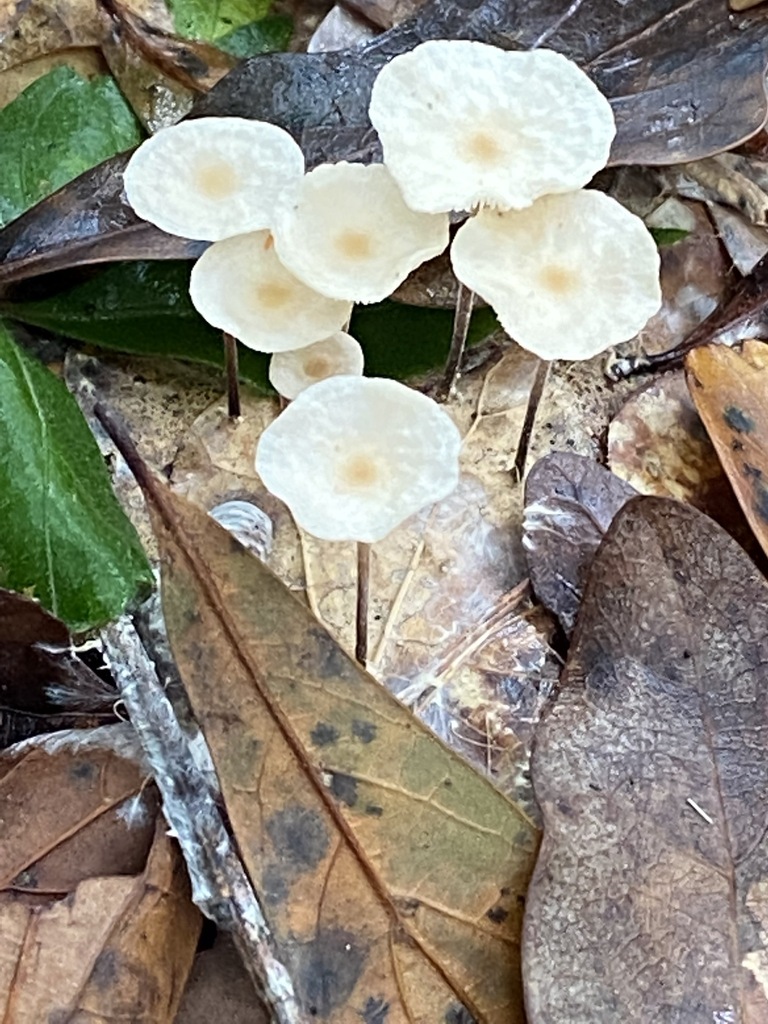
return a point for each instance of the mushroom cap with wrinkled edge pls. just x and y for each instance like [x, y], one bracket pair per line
[240, 286]
[291, 372]
[213, 177]
[568, 277]
[353, 457]
[350, 235]
[465, 124]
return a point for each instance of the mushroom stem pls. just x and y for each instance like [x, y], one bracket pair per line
[361, 618]
[233, 383]
[465, 299]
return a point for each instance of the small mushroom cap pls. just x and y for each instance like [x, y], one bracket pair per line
[350, 235]
[291, 372]
[213, 177]
[353, 457]
[465, 124]
[568, 277]
[240, 286]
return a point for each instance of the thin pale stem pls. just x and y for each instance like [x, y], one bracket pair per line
[233, 382]
[465, 300]
[361, 617]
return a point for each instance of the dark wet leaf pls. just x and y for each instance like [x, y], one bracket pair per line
[145, 308]
[268, 35]
[650, 897]
[60, 126]
[685, 81]
[730, 390]
[65, 540]
[570, 502]
[39, 672]
[390, 872]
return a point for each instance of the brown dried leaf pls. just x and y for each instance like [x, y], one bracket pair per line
[219, 989]
[650, 896]
[730, 390]
[95, 912]
[390, 872]
[685, 82]
[570, 501]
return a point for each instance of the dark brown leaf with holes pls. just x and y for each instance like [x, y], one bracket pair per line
[570, 501]
[650, 897]
[392, 875]
[685, 80]
[730, 389]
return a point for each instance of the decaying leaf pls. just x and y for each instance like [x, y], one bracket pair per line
[649, 900]
[730, 390]
[570, 501]
[94, 901]
[646, 57]
[391, 873]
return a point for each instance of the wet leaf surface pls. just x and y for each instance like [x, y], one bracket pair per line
[651, 890]
[645, 56]
[94, 900]
[65, 540]
[570, 501]
[390, 872]
[730, 389]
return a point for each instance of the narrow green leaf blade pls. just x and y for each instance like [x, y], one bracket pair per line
[63, 537]
[59, 127]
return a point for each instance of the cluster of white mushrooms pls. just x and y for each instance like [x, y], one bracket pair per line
[510, 138]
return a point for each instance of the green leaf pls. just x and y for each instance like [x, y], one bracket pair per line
[668, 236]
[64, 538]
[268, 35]
[60, 126]
[211, 19]
[145, 308]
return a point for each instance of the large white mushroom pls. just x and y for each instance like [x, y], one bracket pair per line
[240, 286]
[464, 124]
[291, 372]
[568, 277]
[348, 233]
[213, 177]
[353, 457]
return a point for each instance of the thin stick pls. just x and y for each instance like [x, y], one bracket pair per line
[537, 390]
[233, 383]
[361, 618]
[465, 299]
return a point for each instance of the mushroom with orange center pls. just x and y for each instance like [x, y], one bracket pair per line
[352, 457]
[568, 277]
[240, 286]
[291, 372]
[213, 177]
[348, 233]
[465, 124]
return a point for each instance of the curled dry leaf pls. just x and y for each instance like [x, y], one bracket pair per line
[647, 56]
[730, 390]
[570, 502]
[94, 902]
[650, 896]
[389, 871]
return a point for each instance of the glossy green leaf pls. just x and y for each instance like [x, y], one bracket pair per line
[64, 538]
[211, 19]
[145, 308]
[60, 126]
[268, 35]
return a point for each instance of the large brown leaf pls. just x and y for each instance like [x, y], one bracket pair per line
[392, 874]
[685, 80]
[650, 896]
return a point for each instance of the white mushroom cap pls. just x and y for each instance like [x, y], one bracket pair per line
[568, 277]
[464, 124]
[213, 177]
[291, 372]
[353, 457]
[240, 286]
[350, 235]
